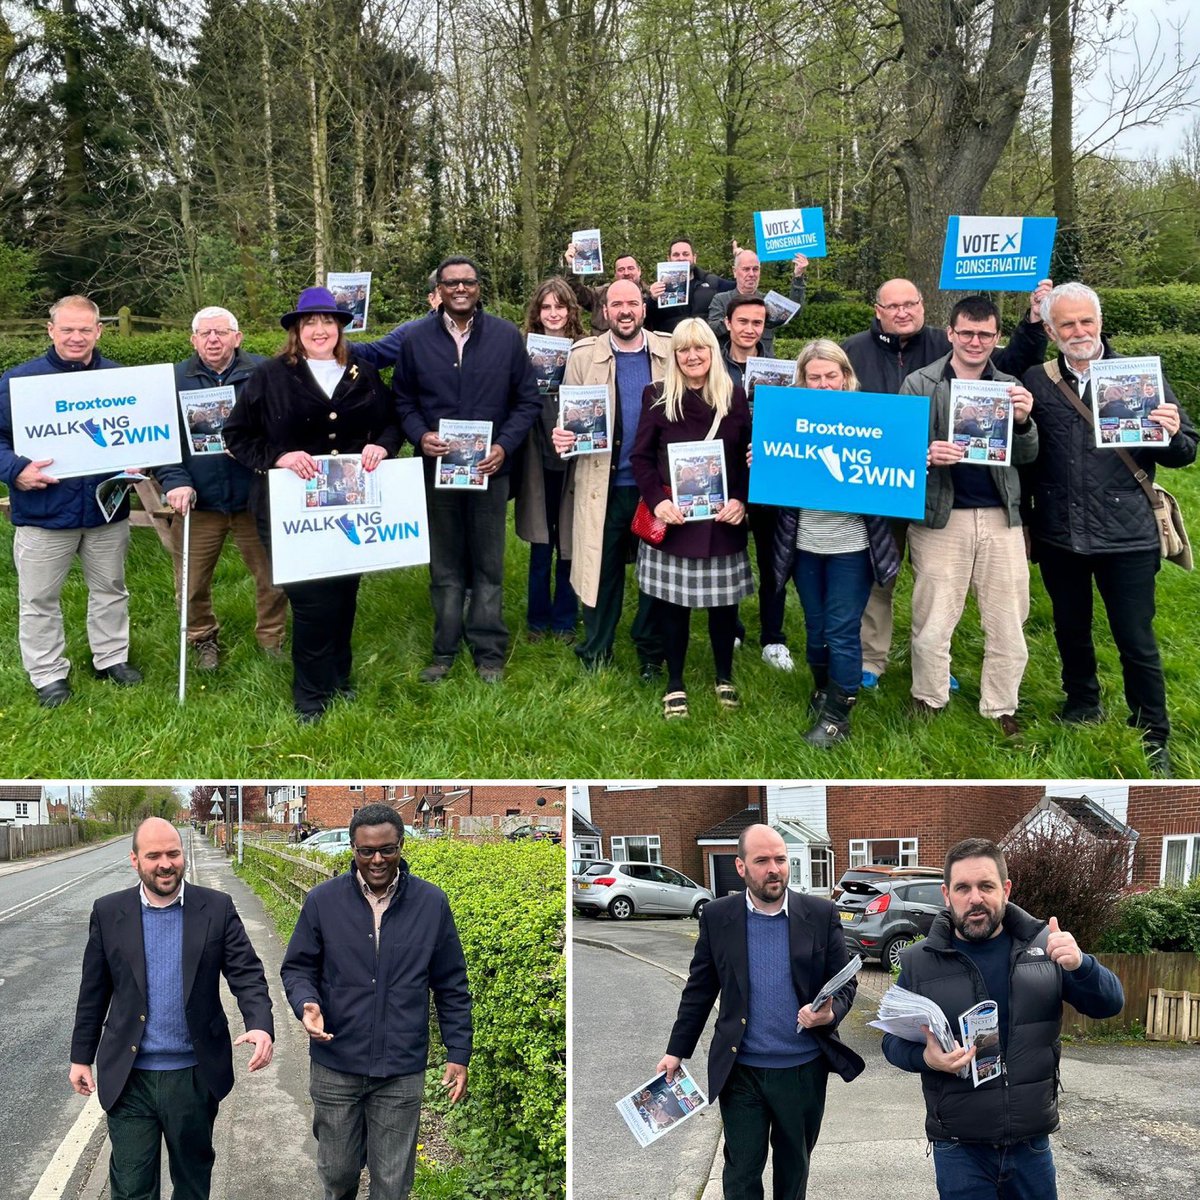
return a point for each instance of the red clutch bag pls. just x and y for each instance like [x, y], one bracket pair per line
[647, 526]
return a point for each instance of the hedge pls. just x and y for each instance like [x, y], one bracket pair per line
[1166, 919]
[509, 905]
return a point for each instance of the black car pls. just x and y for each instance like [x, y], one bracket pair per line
[881, 916]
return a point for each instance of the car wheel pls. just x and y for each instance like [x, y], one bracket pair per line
[621, 909]
[699, 908]
[890, 954]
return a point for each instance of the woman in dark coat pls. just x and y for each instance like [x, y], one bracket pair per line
[314, 399]
[701, 563]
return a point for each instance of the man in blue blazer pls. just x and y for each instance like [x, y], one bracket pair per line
[766, 952]
[150, 1017]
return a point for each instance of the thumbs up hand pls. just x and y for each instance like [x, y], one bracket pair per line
[1062, 947]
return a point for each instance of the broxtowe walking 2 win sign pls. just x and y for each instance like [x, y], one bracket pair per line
[97, 422]
[997, 254]
[853, 452]
[785, 232]
[347, 521]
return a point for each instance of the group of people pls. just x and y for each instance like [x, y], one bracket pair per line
[673, 374]
[767, 952]
[370, 947]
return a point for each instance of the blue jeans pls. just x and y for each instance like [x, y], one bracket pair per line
[360, 1120]
[833, 591]
[977, 1170]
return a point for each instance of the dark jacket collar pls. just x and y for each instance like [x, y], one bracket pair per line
[61, 364]
[890, 343]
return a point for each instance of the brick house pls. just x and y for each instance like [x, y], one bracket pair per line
[1167, 819]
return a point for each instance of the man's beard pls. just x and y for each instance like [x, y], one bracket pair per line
[977, 932]
[162, 885]
[758, 890]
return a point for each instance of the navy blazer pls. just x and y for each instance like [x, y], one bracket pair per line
[721, 965]
[111, 1013]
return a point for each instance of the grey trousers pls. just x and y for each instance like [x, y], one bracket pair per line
[43, 559]
[362, 1121]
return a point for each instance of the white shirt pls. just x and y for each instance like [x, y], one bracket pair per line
[327, 372]
[146, 902]
[754, 907]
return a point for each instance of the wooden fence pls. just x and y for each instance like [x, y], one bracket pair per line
[1140, 975]
[288, 875]
[125, 321]
[20, 841]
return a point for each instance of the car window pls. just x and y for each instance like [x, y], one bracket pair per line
[598, 868]
[637, 871]
[675, 878]
[860, 887]
[924, 893]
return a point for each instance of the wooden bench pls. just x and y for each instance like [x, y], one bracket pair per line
[151, 512]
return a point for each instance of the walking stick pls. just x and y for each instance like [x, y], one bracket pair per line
[183, 602]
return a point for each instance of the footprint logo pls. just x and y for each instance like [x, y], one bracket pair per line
[829, 456]
[93, 430]
[347, 526]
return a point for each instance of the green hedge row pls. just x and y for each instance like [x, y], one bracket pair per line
[1166, 919]
[509, 906]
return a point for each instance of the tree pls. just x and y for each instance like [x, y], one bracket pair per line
[127, 805]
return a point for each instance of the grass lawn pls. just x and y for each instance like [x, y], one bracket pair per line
[548, 719]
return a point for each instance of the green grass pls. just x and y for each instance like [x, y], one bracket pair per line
[549, 719]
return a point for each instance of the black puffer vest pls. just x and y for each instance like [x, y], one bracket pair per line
[1024, 1103]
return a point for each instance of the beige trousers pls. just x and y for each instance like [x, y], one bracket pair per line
[43, 558]
[876, 629]
[977, 551]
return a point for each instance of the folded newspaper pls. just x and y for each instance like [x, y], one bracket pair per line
[839, 981]
[656, 1107]
[903, 1013]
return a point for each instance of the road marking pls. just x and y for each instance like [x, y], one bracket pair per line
[58, 1174]
[62, 887]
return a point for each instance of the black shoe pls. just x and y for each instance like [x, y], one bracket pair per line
[56, 692]
[924, 710]
[1158, 759]
[309, 716]
[122, 674]
[650, 672]
[346, 693]
[833, 721]
[1077, 713]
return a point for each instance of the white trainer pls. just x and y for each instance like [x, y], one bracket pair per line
[778, 656]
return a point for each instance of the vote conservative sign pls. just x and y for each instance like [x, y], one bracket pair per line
[854, 452]
[97, 422]
[786, 232]
[347, 521]
[1002, 254]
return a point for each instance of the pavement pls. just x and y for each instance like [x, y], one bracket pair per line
[1130, 1113]
[263, 1135]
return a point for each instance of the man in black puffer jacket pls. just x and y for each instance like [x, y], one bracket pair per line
[1092, 520]
[983, 948]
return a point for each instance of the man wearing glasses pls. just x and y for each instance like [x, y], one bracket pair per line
[971, 538]
[369, 947]
[897, 344]
[216, 487]
[460, 363]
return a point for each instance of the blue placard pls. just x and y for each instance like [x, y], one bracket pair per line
[856, 452]
[786, 232]
[997, 254]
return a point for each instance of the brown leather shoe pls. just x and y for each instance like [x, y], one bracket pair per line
[1008, 725]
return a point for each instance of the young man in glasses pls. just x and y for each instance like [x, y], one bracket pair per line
[971, 537]
[369, 948]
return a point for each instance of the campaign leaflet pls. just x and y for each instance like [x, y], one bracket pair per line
[779, 308]
[677, 277]
[584, 410]
[588, 258]
[1125, 391]
[698, 482]
[981, 421]
[549, 358]
[97, 422]
[110, 492]
[656, 1107]
[980, 1026]
[469, 443]
[205, 412]
[782, 233]
[770, 372]
[352, 291]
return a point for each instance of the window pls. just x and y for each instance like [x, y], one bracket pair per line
[22, 808]
[1180, 859]
[637, 848]
[883, 852]
[587, 849]
[356, 787]
[820, 861]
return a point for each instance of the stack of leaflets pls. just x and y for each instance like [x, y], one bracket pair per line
[469, 443]
[698, 486]
[677, 277]
[588, 258]
[774, 372]
[549, 358]
[835, 984]
[780, 310]
[980, 1028]
[902, 1013]
[1125, 391]
[981, 421]
[205, 412]
[657, 1107]
[584, 411]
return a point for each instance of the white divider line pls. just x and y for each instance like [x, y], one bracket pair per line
[66, 1158]
[62, 887]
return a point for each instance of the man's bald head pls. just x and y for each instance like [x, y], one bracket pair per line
[156, 828]
[157, 857]
[900, 308]
[625, 309]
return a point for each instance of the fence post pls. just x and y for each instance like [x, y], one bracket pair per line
[125, 321]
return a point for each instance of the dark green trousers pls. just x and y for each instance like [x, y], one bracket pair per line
[779, 1108]
[158, 1105]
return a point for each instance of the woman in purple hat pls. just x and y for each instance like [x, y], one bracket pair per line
[314, 399]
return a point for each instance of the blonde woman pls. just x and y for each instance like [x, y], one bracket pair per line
[699, 564]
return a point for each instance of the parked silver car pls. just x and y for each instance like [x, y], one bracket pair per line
[328, 841]
[624, 888]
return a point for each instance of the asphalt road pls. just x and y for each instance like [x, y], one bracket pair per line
[1130, 1113]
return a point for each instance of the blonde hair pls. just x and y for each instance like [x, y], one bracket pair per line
[828, 351]
[718, 387]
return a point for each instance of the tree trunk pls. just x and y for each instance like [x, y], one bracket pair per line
[1062, 150]
[74, 174]
[269, 153]
[314, 93]
[531, 130]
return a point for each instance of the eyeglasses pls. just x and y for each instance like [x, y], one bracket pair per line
[366, 853]
[202, 334]
[974, 335]
[903, 306]
[458, 285]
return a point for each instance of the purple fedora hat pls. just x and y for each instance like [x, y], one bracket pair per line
[316, 300]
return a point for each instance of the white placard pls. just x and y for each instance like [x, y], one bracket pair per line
[97, 422]
[347, 521]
